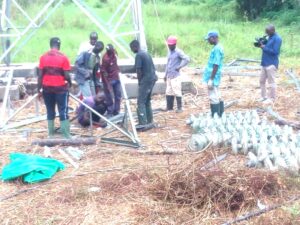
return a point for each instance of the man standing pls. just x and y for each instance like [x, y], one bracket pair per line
[176, 60]
[87, 70]
[88, 45]
[111, 80]
[53, 82]
[146, 75]
[269, 63]
[212, 73]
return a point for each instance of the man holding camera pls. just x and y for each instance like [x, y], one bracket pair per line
[269, 63]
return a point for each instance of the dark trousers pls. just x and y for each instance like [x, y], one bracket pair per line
[101, 109]
[113, 96]
[144, 110]
[61, 100]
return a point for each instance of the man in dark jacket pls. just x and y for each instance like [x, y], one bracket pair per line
[111, 80]
[146, 75]
[87, 66]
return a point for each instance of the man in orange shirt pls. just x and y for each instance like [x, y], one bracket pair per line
[53, 84]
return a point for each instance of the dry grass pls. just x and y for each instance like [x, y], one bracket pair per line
[164, 187]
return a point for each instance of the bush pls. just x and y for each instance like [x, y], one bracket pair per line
[251, 9]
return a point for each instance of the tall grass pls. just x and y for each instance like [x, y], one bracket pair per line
[189, 22]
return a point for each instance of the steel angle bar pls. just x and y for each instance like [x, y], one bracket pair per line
[6, 94]
[102, 28]
[20, 109]
[126, 33]
[27, 122]
[116, 12]
[30, 35]
[103, 117]
[23, 12]
[295, 80]
[120, 142]
[4, 17]
[29, 26]
[248, 60]
[128, 110]
[124, 14]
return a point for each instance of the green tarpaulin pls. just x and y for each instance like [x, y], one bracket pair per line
[31, 168]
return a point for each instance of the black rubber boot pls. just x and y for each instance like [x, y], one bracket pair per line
[215, 108]
[221, 111]
[179, 104]
[170, 102]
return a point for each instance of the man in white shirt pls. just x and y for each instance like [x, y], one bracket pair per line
[88, 45]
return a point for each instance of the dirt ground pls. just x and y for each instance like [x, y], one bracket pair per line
[114, 184]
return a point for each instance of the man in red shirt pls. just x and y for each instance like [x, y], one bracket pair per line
[111, 81]
[53, 84]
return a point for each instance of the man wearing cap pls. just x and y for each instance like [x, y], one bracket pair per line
[88, 45]
[111, 80]
[144, 67]
[53, 84]
[269, 63]
[176, 61]
[212, 73]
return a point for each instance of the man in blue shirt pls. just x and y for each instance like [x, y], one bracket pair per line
[212, 73]
[269, 63]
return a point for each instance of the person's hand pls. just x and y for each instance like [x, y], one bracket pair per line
[210, 84]
[40, 94]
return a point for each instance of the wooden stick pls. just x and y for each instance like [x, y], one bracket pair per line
[259, 212]
[65, 142]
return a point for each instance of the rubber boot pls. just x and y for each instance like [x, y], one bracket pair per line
[215, 108]
[51, 128]
[65, 128]
[179, 104]
[149, 113]
[142, 116]
[221, 110]
[170, 102]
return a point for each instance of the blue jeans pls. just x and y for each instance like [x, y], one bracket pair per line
[113, 97]
[61, 100]
[88, 88]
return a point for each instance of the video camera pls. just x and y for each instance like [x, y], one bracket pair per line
[261, 41]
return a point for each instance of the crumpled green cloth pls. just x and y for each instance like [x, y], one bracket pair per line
[31, 168]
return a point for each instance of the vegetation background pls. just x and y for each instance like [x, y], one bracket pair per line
[238, 21]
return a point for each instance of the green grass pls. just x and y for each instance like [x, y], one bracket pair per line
[189, 22]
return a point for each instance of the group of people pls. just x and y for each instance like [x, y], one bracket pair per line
[99, 81]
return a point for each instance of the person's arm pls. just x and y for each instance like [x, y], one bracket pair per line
[275, 50]
[184, 60]
[214, 71]
[104, 66]
[40, 76]
[40, 80]
[68, 78]
[67, 69]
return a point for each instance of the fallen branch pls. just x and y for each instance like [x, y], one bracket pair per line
[259, 212]
[65, 142]
[280, 120]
